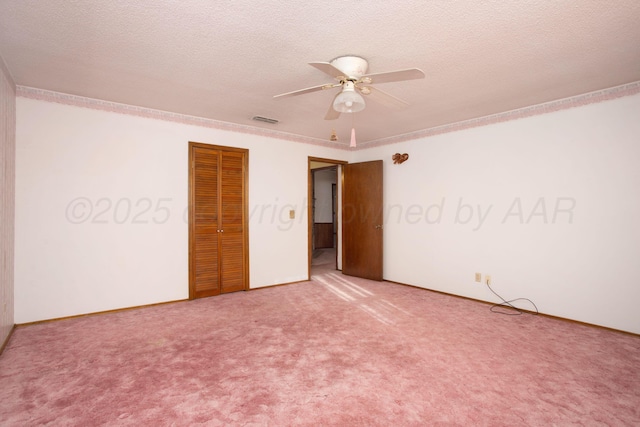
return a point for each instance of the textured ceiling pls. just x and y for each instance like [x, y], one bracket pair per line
[225, 60]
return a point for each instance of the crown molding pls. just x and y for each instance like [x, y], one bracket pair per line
[534, 110]
[520, 113]
[150, 113]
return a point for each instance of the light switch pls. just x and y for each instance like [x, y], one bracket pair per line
[292, 214]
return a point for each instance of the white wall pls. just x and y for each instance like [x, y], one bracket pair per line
[323, 193]
[447, 216]
[100, 209]
[454, 209]
[7, 199]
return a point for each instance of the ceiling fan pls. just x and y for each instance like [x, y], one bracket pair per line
[351, 75]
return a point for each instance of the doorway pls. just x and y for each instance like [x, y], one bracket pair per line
[324, 208]
[358, 217]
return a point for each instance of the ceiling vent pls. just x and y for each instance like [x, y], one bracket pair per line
[264, 119]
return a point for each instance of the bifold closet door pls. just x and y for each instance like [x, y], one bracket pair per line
[204, 267]
[231, 236]
[218, 259]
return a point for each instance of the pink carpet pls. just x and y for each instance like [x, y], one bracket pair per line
[335, 351]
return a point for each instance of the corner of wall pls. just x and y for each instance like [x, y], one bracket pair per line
[6, 75]
[7, 200]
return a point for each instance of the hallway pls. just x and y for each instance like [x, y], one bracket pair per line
[323, 261]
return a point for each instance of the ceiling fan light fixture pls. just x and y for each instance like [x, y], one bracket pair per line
[348, 101]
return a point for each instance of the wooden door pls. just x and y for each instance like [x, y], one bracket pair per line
[204, 274]
[232, 220]
[218, 237]
[362, 220]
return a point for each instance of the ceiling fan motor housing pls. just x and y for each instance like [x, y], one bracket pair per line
[352, 66]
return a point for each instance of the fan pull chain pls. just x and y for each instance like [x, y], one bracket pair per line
[353, 132]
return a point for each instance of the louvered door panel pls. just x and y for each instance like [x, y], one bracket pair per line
[205, 205]
[232, 191]
[232, 265]
[232, 248]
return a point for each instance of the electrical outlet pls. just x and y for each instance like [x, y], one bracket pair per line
[487, 279]
[292, 214]
[478, 277]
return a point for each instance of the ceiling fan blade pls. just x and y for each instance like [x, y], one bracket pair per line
[332, 114]
[326, 67]
[302, 91]
[384, 98]
[393, 76]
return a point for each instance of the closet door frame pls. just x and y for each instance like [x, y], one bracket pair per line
[191, 213]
